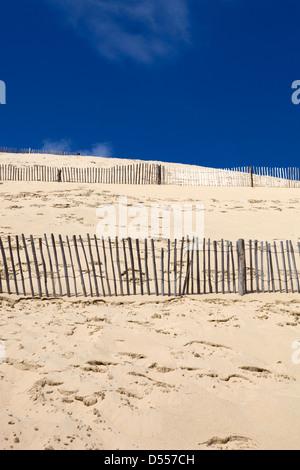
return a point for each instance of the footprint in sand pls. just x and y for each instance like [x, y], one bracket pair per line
[229, 443]
[260, 373]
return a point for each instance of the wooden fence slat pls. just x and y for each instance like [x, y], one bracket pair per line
[198, 266]
[93, 265]
[216, 268]
[79, 266]
[284, 268]
[169, 267]
[271, 269]
[184, 290]
[162, 272]
[56, 264]
[13, 264]
[146, 267]
[188, 268]
[289, 265]
[268, 267]
[251, 265]
[105, 266]
[154, 268]
[126, 267]
[132, 265]
[28, 264]
[87, 265]
[119, 266]
[5, 266]
[175, 267]
[51, 266]
[295, 266]
[233, 268]
[192, 265]
[140, 266]
[242, 280]
[204, 265]
[223, 266]
[181, 265]
[65, 266]
[44, 267]
[72, 266]
[20, 265]
[99, 264]
[209, 266]
[262, 267]
[278, 268]
[256, 265]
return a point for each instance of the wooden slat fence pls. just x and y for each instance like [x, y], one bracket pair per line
[152, 173]
[91, 267]
[141, 173]
[243, 176]
[35, 151]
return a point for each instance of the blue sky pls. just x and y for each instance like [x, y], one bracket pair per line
[204, 82]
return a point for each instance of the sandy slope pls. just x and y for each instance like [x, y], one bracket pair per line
[196, 373]
[230, 213]
[78, 161]
[201, 372]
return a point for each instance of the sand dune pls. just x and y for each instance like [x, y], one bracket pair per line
[195, 373]
[78, 161]
[201, 372]
[69, 208]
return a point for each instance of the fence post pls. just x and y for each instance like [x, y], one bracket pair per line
[251, 176]
[242, 267]
[159, 174]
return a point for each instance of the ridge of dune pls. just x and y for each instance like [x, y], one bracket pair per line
[79, 161]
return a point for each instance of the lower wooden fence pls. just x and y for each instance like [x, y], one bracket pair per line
[97, 267]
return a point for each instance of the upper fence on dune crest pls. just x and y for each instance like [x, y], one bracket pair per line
[154, 173]
[34, 151]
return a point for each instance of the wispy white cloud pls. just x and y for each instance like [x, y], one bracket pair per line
[100, 149]
[57, 145]
[103, 149]
[142, 30]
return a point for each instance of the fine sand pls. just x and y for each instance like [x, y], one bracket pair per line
[77, 161]
[201, 372]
